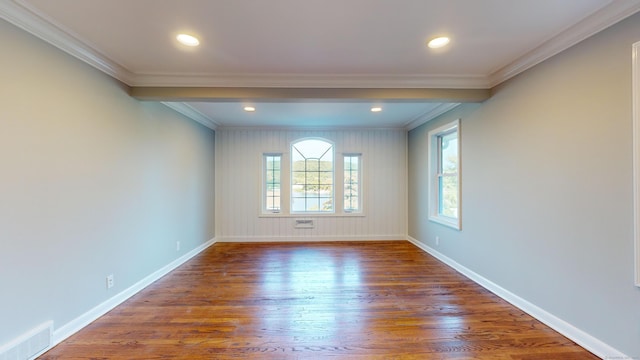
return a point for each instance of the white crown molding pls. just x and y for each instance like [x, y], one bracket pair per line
[430, 115]
[25, 17]
[193, 114]
[19, 13]
[615, 11]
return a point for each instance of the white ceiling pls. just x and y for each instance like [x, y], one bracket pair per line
[318, 114]
[314, 44]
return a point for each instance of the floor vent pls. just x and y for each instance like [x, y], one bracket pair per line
[28, 345]
[303, 224]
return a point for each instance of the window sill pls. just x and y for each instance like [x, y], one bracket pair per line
[308, 215]
[448, 222]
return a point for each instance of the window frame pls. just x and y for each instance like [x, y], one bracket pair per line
[265, 169]
[292, 182]
[436, 175]
[359, 183]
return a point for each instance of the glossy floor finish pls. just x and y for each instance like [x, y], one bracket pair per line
[347, 300]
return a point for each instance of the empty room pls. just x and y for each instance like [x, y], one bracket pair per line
[362, 179]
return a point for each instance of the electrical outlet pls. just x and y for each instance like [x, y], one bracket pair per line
[177, 245]
[110, 281]
[437, 240]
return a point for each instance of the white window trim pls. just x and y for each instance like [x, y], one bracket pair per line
[433, 172]
[636, 156]
[285, 185]
[310, 215]
[290, 189]
[264, 209]
[360, 190]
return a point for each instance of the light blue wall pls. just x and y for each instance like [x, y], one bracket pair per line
[92, 182]
[547, 188]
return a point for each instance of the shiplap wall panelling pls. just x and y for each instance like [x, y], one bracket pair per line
[239, 171]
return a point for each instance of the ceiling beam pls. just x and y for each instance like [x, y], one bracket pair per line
[213, 94]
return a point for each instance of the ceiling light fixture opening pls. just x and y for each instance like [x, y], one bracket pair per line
[188, 40]
[438, 42]
[249, 109]
[376, 109]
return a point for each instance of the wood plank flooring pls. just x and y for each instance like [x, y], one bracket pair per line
[341, 300]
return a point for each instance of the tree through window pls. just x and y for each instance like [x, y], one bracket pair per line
[312, 176]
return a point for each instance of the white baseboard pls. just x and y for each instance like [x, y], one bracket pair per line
[85, 319]
[29, 345]
[309, 238]
[587, 341]
[580, 337]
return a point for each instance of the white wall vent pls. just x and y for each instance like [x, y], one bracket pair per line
[29, 344]
[304, 224]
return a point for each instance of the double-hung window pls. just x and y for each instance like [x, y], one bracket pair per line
[352, 199]
[444, 175]
[271, 184]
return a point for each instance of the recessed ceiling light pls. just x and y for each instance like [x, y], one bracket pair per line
[188, 40]
[376, 109]
[249, 109]
[438, 42]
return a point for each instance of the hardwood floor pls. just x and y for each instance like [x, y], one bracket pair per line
[348, 300]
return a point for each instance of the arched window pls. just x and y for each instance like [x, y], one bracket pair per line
[312, 177]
